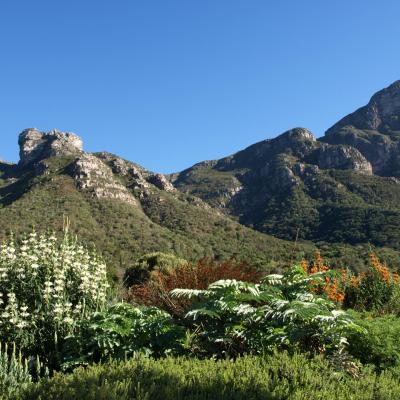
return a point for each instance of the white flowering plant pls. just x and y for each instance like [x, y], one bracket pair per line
[47, 285]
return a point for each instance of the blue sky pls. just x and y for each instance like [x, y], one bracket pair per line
[168, 83]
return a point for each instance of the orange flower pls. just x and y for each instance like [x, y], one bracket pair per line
[354, 281]
[343, 275]
[304, 265]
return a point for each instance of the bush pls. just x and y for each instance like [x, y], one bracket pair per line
[141, 270]
[46, 286]
[379, 343]
[372, 291]
[156, 291]
[278, 377]
[121, 332]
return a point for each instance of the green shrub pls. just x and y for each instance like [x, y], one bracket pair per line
[379, 343]
[372, 291]
[141, 270]
[275, 377]
[120, 332]
[233, 317]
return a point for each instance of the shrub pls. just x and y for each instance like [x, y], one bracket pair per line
[373, 290]
[379, 343]
[156, 291]
[46, 286]
[120, 332]
[278, 376]
[141, 270]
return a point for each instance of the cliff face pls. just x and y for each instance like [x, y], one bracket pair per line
[374, 130]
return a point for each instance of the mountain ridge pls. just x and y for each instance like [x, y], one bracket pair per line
[341, 188]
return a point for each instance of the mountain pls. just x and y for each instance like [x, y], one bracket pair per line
[266, 203]
[343, 187]
[122, 208]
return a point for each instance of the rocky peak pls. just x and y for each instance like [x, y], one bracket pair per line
[297, 142]
[295, 135]
[381, 114]
[374, 130]
[36, 145]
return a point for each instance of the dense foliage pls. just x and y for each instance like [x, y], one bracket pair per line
[233, 317]
[120, 332]
[14, 372]
[378, 343]
[55, 317]
[278, 377]
[143, 267]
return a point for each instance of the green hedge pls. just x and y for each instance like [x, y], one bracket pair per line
[274, 377]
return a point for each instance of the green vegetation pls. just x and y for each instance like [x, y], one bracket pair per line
[284, 336]
[278, 376]
[166, 222]
[379, 342]
[145, 265]
[325, 206]
[14, 373]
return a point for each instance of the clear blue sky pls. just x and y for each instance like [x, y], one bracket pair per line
[168, 83]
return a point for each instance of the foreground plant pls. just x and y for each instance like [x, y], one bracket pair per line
[278, 376]
[120, 332]
[233, 317]
[46, 286]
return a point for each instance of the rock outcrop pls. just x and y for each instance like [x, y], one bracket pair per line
[342, 157]
[36, 145]
[161, 182]
[135, 174]
[94, 176]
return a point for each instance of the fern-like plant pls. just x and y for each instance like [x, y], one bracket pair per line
[234, 317]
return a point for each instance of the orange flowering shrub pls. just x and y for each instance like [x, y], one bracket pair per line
[373, 289]
[365, 291]
[333, 286]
